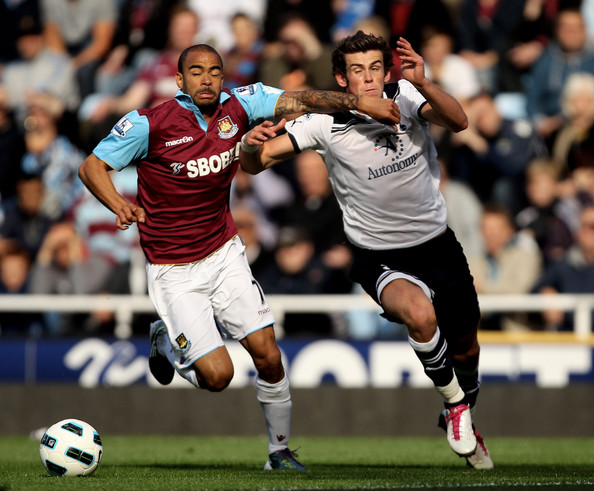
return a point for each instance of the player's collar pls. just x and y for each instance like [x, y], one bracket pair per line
[186, 101]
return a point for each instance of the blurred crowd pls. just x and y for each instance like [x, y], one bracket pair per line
[518, 183]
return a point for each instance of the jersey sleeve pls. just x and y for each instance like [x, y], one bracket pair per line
[128, 141]
[258, 100]
[410, 100]
[310, 131]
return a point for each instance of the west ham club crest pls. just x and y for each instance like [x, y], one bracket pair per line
[227, 128]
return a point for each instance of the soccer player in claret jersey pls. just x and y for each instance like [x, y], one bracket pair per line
[186, 151]
[386, 179]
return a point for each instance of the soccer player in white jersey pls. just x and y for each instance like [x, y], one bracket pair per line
[386, 179]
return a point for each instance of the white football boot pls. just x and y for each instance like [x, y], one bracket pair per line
[480, 459]
[459, 431]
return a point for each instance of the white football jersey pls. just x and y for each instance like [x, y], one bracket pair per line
[386, 179]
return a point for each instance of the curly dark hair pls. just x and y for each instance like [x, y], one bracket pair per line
[360, 43]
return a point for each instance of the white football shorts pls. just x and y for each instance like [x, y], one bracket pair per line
[188, 297]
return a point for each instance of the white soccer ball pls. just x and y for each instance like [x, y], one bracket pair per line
[71, 448]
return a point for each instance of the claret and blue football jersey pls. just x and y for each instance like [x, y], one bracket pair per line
[178, 154]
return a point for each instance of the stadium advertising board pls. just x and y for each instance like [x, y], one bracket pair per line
[94, 362]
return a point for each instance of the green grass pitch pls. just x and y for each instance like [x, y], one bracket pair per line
[235, 463]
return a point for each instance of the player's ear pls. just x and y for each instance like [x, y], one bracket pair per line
[179, 79]
[341, 80]
[387, 77]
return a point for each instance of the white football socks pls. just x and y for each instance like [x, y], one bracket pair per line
[276, 403]
[452, 392]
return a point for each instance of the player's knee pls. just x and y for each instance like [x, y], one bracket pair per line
[421, 318]
[218, 384]
[216, 381]
[270, 367]
[267, 360]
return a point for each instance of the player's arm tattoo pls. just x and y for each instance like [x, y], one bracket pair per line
[319, 101]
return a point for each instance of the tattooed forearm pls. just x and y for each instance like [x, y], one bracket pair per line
[319, 101]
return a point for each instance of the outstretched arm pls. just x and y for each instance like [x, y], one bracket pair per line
[321, 101]
[94, 173]
[443, 109]
[261, 148]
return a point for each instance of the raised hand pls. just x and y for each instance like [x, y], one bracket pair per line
[412, 64]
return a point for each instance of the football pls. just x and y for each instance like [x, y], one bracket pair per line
[71, 448]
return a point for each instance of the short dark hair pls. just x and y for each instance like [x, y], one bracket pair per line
[196, 47]
[360, 43]
[500, 210]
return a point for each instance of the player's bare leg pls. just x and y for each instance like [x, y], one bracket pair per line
[214, 371]
[262, 347]
[273, 392]
[408, 302]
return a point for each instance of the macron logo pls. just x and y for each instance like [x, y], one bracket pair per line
[185, 139]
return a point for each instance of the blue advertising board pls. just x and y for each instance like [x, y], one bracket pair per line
[93, 362]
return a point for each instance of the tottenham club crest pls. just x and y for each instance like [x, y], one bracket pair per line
[389, 144]
[227, 128]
